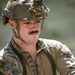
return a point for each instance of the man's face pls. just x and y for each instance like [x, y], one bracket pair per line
[29, 30]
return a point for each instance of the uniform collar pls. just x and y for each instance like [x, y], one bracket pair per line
[40, 45]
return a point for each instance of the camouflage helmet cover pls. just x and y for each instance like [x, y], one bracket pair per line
[24, 10]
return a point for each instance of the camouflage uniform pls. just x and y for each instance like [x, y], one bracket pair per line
[64, 60]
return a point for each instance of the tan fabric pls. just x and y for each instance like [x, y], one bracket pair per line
[64, 60]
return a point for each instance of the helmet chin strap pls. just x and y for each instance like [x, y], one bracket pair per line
[42, 23]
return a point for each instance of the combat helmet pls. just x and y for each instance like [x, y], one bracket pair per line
[24, 10]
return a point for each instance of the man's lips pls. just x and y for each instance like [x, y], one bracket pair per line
[34, 32]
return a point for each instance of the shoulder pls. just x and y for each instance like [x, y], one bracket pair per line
[8, 60]
[55, 44]
[2, 61]
[4, 56]
[6, 52]
[2, 52]
[50, 42]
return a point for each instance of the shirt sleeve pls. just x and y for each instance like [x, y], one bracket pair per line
[65, 60]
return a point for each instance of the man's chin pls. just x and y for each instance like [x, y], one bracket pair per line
[34, 39]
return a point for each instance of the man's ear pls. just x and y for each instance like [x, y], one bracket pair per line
[12, 24]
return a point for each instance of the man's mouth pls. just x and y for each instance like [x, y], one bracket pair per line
[33, 32]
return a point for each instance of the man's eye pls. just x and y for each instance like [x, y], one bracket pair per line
[37, 21]
[27, 23]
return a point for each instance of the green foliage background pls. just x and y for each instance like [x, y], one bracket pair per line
[60, 24]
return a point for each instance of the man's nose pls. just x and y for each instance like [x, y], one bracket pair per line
[34, 24]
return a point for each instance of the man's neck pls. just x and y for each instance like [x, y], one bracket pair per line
[31, 48]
